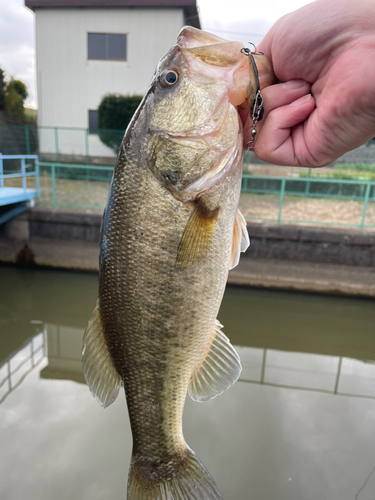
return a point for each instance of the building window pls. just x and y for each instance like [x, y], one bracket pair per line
[93, 121]
[106, 46]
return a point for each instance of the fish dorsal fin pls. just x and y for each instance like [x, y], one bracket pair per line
[100, 373]
[197, 238]
[219, 368]
[241, 241]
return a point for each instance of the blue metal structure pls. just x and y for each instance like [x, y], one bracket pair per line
[14, 200]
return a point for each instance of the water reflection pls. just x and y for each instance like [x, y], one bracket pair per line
[15, 367]
[316, 372]
[289, 430]
[64, 353]
[61, 346]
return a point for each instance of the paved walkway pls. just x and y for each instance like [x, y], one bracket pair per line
[305, 276]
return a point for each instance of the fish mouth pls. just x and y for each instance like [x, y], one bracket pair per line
[190, 37]
[216, 51]
[217, 58]
[210, 48]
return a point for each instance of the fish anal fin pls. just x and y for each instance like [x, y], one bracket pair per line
[219, 369]
[198, 235]
[241, 241]
[100, 373]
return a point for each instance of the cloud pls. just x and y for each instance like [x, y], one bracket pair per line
[17, 54]
[243, 31]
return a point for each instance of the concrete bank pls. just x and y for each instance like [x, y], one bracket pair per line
[333, 261]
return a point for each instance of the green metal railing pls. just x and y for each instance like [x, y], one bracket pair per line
[357, 200]
[74, 186]
[279, 200]
[82, 145]
[60, 144]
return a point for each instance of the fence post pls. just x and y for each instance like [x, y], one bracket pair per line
[32, 359]
[338, 376]
[281, 201]
[307, 187]
[23, 171]
[367, 196]
[27, 139]
[53, 172]
[1, 171]
[37, 183]
[9, 377]
[57, 144]
[264, 360]
[87, 146]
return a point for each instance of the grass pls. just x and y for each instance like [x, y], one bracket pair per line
[308, 211]
[30, 115]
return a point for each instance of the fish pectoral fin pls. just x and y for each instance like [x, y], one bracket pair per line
[100, 373]
[197, 238]
[219, 368]
[241, 241]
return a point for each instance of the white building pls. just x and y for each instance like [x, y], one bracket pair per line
[88, 48]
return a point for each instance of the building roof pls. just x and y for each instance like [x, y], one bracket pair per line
[189, 6]
[32, 4]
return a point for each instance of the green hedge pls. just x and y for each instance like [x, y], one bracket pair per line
[114, 114]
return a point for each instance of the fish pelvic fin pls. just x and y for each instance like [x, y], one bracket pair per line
[241, 241]
[197, 237]
[219, 369]
[189, 480]
[100, 373]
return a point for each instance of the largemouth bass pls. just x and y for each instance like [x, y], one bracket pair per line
[171, 231]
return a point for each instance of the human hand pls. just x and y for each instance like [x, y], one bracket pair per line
[329, 44]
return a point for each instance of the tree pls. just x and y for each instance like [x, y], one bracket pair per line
[20, 88]
[13, 102]
[15, 95]
[2, 89]
[114, 114]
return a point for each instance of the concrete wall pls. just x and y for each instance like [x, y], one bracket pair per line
[312, 244]
[63, 238]
[55, 238]
[73, 226]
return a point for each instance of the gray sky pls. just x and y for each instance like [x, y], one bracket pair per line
[244, 21]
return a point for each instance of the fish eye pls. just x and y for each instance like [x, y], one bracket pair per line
[168, 78]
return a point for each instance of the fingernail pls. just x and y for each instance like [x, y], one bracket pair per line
[294, 84]
[301, 100]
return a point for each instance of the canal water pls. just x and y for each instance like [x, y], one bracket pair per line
[299, 424]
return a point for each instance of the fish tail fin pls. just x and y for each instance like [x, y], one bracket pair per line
[188, 480]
